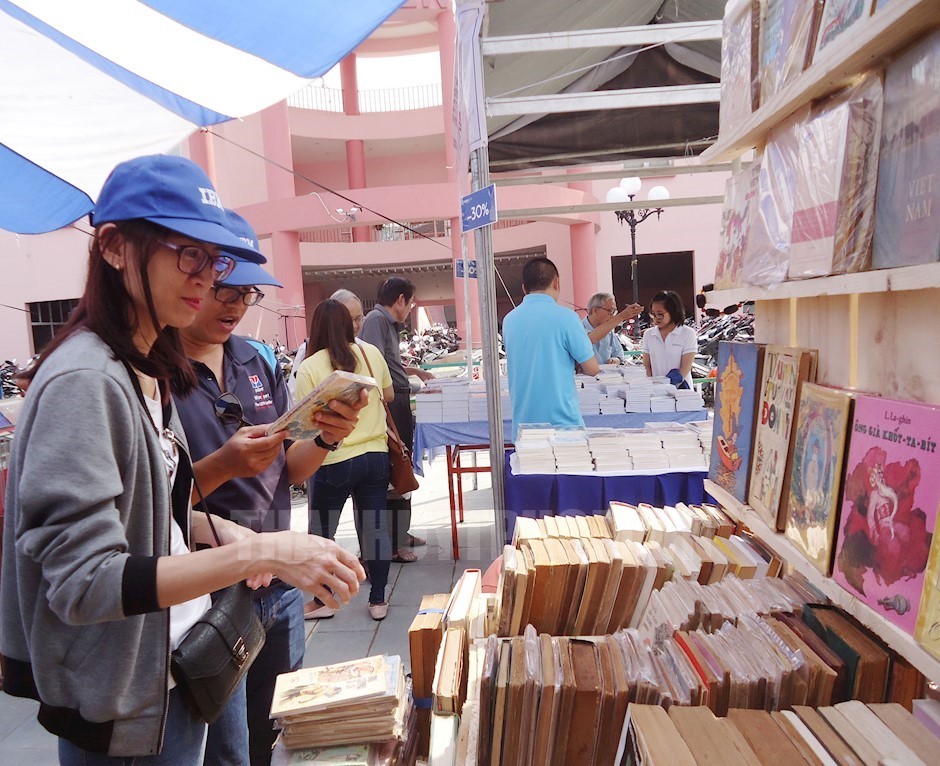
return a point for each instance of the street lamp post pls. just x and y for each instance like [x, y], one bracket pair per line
[625, 192]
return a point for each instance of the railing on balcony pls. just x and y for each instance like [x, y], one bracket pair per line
[386, 232]
[403, 99]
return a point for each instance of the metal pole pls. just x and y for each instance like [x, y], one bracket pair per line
[486, 284]
[466, 310]
[636, 284]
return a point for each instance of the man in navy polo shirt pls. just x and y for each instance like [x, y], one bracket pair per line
[543, 343]
[246, 476]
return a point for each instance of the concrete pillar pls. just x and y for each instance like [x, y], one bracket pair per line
[355, 148]
[583, 252]
[292, 325]
[284, 262]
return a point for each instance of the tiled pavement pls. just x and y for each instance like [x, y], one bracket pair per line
[351, 633]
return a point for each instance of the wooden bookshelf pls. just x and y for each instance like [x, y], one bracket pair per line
[905, 278]
[867, 44]
[892, 635]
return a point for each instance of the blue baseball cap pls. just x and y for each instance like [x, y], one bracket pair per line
[172, 192]
[245, 273]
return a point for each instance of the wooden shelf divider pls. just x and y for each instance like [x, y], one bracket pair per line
[890, 633]
[904, 278]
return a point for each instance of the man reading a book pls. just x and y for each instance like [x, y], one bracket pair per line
[381, 326]
[246, 476]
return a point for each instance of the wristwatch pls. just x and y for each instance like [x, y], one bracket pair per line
[318, 440]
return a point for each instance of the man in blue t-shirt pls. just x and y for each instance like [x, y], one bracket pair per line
[544, 342]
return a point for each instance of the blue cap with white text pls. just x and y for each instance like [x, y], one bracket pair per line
[172, 192]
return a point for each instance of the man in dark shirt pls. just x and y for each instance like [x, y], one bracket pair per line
[381, 328]
[246, 476]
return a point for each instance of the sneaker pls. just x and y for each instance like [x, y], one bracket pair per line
[314, 612]
[378, 611]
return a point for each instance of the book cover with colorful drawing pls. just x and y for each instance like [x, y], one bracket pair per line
[889, 506]
[357, 681]
[739, 375]
[818, 453]
[785, 37]
[837, 18]
[740, 193]
[785, 370]
[340, 385]
[907, 206]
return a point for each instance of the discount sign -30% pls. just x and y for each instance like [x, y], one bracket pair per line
[478, 209]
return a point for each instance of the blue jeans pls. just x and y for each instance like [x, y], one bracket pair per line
[365, 477]
[183, 743]
[245, 733]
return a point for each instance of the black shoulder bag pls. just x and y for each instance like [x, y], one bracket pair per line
[215, 655]
[217, 652]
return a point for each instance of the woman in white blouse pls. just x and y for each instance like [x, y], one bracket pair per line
[669, 346]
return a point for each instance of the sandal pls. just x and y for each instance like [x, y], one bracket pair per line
[404, 556]
[416, 542]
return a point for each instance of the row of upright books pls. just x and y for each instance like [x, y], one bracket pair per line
[852, 479]
[587, 575]
[841, 186]
[847, 733]
[544, 699]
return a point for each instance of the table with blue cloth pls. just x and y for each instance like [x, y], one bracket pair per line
[431, 436]
[538, 495]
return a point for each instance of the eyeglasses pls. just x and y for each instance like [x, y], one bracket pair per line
[192, 260]
[229, 410]
[228, 295]
[659, 316]
[609, 311]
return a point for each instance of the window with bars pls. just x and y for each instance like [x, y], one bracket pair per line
[46, 317]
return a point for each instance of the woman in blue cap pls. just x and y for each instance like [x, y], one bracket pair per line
[98, 581]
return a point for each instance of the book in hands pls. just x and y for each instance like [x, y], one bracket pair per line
[340, 385]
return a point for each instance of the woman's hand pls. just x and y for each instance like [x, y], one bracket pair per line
[340, 419]
[229, 533]
[314, 564]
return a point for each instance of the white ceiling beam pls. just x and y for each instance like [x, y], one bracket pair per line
[631, 98]
[653, 171]
[648, 34]
[601, 207]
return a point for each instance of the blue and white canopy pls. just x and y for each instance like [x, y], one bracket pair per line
[87, 84]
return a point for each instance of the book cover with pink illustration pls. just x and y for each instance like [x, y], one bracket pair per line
[889, 506]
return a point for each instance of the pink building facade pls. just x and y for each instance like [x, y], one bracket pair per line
[297, 169]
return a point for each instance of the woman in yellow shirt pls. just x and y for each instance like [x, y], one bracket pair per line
[359, 467]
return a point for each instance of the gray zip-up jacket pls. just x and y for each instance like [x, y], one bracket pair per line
[87, 516]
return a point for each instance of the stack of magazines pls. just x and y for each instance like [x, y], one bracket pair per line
[357, 702]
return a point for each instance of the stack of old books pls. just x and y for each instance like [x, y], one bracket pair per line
[424, 641]
[356, 702]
